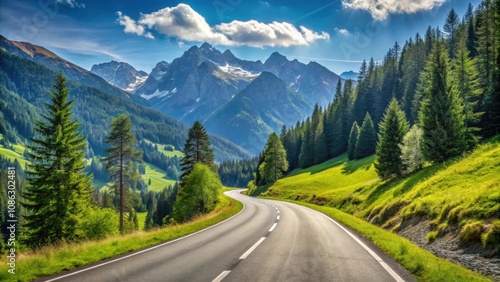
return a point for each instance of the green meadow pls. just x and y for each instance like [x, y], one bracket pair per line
[462, 194]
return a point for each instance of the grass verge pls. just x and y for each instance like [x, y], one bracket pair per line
[424, 265]
[53, 259]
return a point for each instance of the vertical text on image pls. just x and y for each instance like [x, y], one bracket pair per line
[12, 218]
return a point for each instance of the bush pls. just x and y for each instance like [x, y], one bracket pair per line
[198, 193]
[492, 237]
[471, 232]
[431, 236]
[411, 150]
[99, 223]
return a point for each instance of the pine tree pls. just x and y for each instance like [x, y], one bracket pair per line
[59, 190]
[306, 157]
[106, 201]
[329, 121]
[121, 162]
[450, 27]
[412, 63]
[353, 138]
[320, 150]
[393, 128]
[274, 159]
[471, 40]
[259, 178]
[197, 150]
[466, 78]
[367, 139]
[152, 209]
[495, 97]
[441, 114]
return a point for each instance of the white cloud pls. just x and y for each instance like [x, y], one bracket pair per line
[257, 34]
[380, 9]
[71, 3]
[342, 31]
[185, 24]
[131, 26]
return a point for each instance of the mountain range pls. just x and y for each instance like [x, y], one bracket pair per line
[218, 89]
[27, 73]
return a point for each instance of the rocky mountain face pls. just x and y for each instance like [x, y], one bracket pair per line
[263, 107]
[193, 86]
[47, 58]
[120, 74]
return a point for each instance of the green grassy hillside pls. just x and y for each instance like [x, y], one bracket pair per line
[161, 149]
[16, 153]
[159, 179]
[460, 197]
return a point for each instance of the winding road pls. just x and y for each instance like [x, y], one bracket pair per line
[266, 241]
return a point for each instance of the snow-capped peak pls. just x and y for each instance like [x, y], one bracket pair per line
[237, 71]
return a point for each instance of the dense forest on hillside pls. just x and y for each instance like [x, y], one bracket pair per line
[449, 77]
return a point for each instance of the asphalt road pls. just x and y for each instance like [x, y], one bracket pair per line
[267, 241]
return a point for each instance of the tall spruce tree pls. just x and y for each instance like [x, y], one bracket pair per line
[450, 27]
[306, 157]
[471, 40]
[466, 78]
[274, 159]
[152, 210]
[59, 190]
[495, 97]
[197, 149]
[320, 149]
[441, 114]
[393, 128]
[367, 139]
[353, 138]
[121, 162]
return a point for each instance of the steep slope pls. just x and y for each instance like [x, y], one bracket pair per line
[120, 74]
[316, 83]
[313, 81]
[195, 84]
[25, 85]
[47, 58]
[261, 108]
[151, 84]
[450, 209]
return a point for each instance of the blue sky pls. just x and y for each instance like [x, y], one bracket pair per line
[337, 34]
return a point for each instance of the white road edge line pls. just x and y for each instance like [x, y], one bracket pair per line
[278, 218]
[274, 226]
[148, 249]
[374, 255]
[221, 276]
[247, 253]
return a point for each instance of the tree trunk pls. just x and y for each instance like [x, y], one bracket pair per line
[121, 186]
